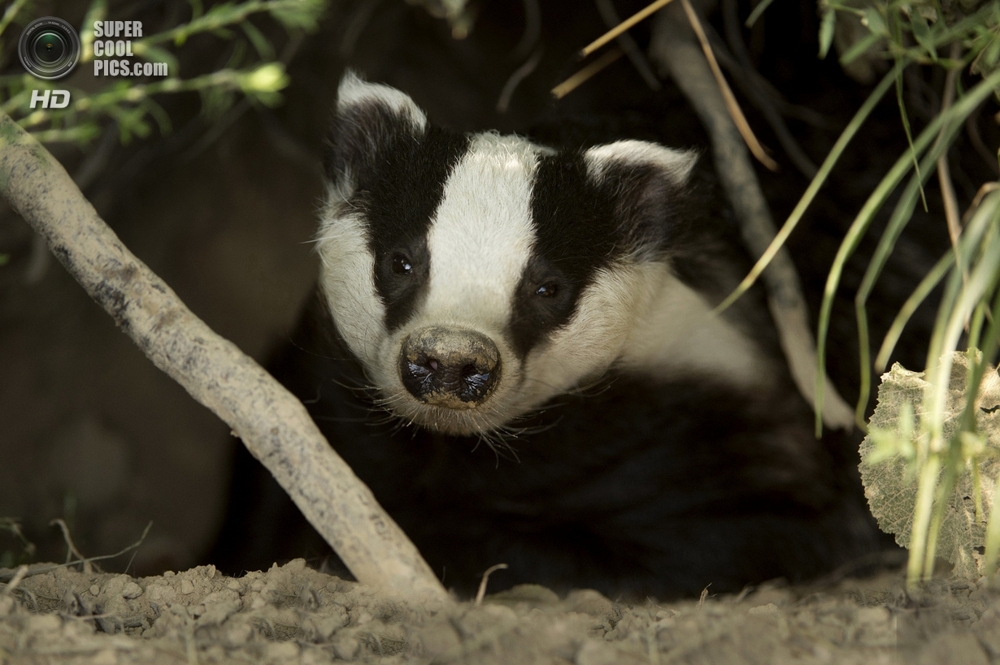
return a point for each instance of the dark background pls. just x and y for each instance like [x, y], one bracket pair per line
[91, 432]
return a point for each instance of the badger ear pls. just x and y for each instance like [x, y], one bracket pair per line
[370, 121]
[647, 184]
[675, 165]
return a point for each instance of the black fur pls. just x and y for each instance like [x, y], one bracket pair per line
[582, 226]
[398, 176]
[637, 486]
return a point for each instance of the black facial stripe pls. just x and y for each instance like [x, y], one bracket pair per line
[576, 227]
[398, 190]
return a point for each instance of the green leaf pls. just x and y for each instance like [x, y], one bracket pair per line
[922, 33]
[826, 27]
[11, 13]
[757, 11]
[891, 487]
[304, 14]
[874, 22]
[859, 48]
[259, 41]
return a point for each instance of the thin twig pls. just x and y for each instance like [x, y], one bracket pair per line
[623, 26]
[274, 426]
[581, 76]
[703, 596]
[38, 570]
[727, 94]
[606, 8]
[19, 575]
[71, 548]
[486, 577]
[741, 69]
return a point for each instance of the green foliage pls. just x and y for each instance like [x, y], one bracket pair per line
[933, 451]
[934, 455]
[961, 497]
[252, 72]
[915, 31]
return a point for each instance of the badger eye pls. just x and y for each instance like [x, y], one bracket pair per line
[401, 265]
[547, 291]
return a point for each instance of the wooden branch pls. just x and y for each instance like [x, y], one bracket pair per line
[272, 423]
[675, 48]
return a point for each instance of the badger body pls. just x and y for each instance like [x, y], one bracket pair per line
[514, 346]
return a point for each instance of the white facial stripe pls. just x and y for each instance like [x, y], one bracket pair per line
[481, 237]
[353, 90]
[347, 281]
[676, 164]
[636, 315]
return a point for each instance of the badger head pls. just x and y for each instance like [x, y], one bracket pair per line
[477, 276]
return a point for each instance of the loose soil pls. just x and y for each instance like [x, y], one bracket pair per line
[95, 434]
[294, 614]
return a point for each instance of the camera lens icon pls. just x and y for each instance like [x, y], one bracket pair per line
[49, 48]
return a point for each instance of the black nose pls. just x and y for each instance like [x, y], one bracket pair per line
[449, 367]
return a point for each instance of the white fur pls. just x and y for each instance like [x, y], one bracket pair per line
[589, 344]
[639, 317]
[676, 334]
[635, 315]
[481, 237]
[353, 91]
[676, 164]
[347, 278]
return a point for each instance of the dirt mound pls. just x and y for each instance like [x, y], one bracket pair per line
[293, 614]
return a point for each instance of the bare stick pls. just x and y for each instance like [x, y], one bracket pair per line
[486, 578]
[735, 112]
[41, 569]
[675, 48]
[577, 79]
[19, 575]
[273, 424]
[623, 26]
[606, 8]
[71, 547]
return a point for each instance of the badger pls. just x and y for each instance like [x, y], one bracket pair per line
[514, 345]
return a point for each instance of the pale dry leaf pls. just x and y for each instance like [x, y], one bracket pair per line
[891, 485]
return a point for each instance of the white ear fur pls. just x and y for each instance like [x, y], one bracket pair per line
[675, 164]
[354, 91]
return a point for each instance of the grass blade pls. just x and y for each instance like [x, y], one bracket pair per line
[961, 109]
[807, 198]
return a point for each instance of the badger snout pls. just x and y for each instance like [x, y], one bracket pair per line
[449, 367]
